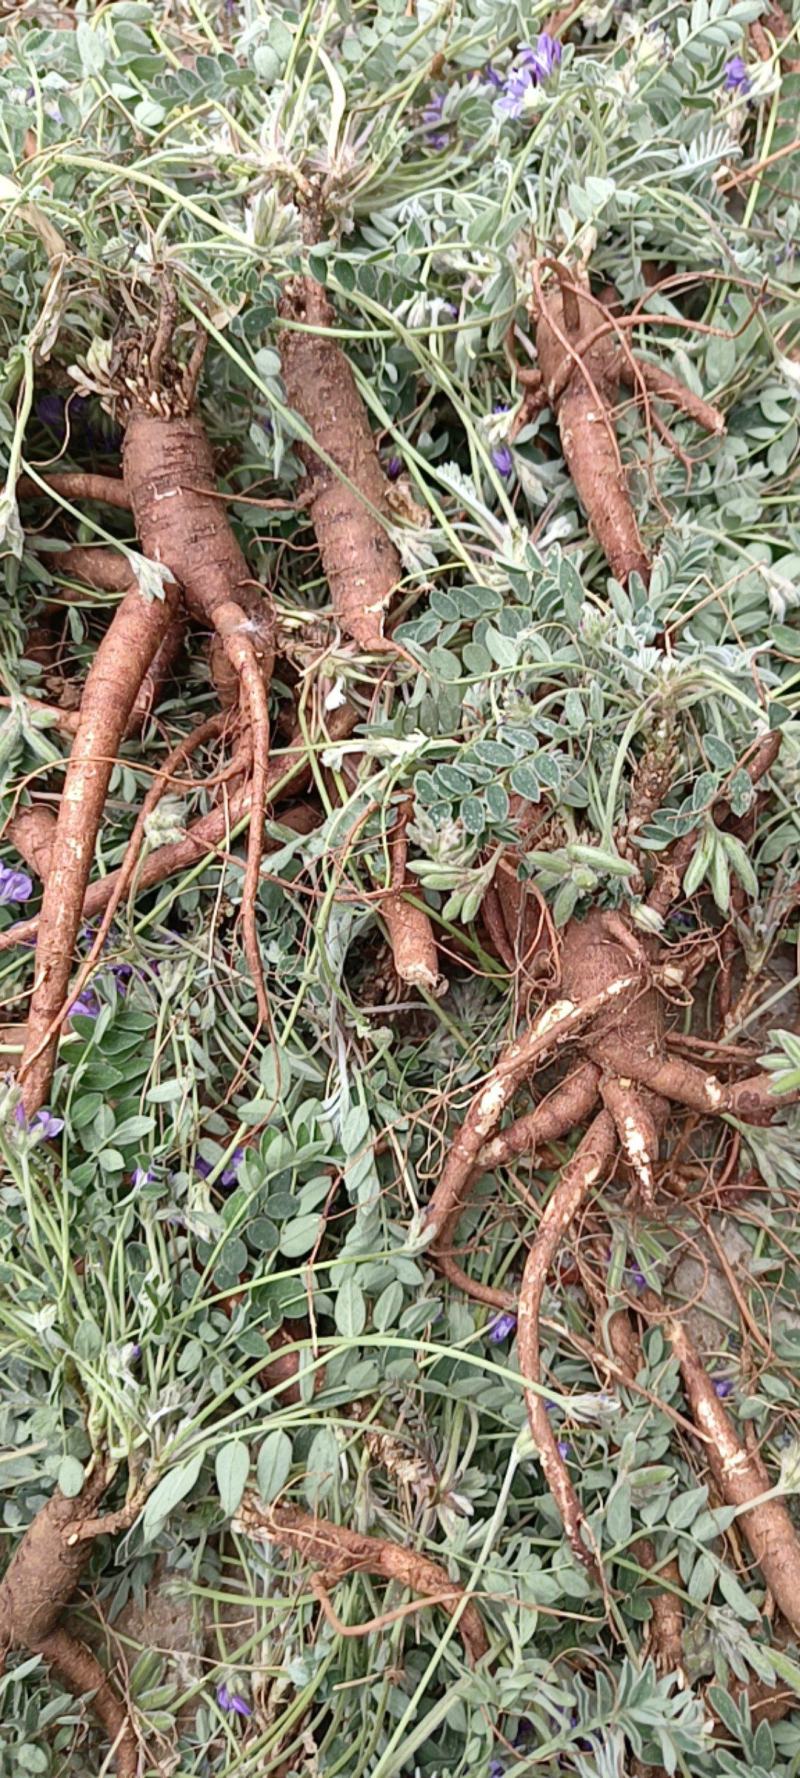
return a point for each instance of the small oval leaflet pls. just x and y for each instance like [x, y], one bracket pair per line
[232, 1467]
[70, 1477]
[274, 1464]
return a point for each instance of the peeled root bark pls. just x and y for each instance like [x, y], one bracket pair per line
[339, 1552]
[122, 659]
[360, 563]
[33, 832]
[36, 1589]
[591, 1158]
[290, 770]
[414, 952]
[559, 1023]
[768, 1527]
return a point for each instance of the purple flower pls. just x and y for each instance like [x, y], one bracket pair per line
[134, 1353]
[502, 460]
[50, 410]
[491, 76]
[230, 1175]
[496, 1768]
[502, 1327]
[737, 79]
[42, 1123]
[232, 1702]
[563, 1448]
[637, 1277]
[15, 885]
[87, 1005]
[231, 1172]
[394, 467]
[431, 117]
[544, 59]
[533, 67]
[723, 1387]
[142, 1176]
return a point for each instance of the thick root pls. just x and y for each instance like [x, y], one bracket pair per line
[338, 1552]
[768, 1527]
[348, 501]
[37, 1587]
[416, 959]
[124, 656]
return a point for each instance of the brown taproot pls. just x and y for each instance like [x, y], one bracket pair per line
[767, 1524]
[119, 667]
[167, 466]
[338, 1552]
[558, 1115]
[580, 366]
[37, 1588]
[560, 1022]
[347, 489]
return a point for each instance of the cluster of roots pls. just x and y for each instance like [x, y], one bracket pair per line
[602, 1018]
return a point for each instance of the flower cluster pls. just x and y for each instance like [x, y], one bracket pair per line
[532, 67]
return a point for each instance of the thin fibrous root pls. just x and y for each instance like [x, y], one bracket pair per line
[592, 1157]
[290, 770]
[338, 1551]
[205, 731]
[229, 625]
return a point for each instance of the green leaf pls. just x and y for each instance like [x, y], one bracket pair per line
[618, 1514]
[388, 1306]
[70, 1477]
[351, 1309]
[322, 1466]
[299, 1235]
[274, 1464]
[525, 781]
[232, 1466]
[168, 1494]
